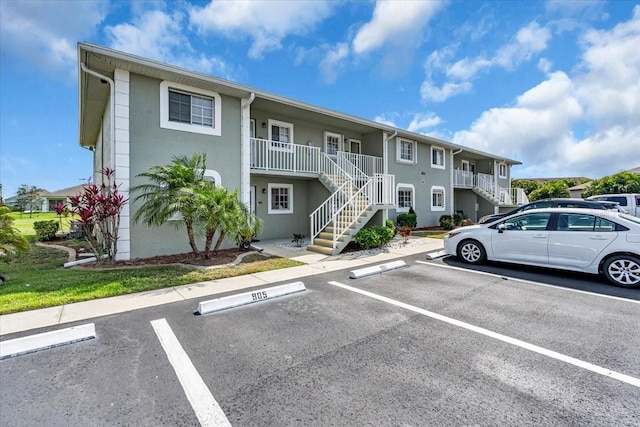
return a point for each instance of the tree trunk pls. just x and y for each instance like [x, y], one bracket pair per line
[192, 240]
[209, 239]
[219, 242]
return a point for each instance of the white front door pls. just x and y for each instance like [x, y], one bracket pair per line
[332, 143]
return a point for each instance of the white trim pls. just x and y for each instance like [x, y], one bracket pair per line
[438, 188]
[210, 173]
[411, 187]
[357, 141]
[280, 145]
[165, 123]
[463, 163]
[252, 129]
[500, 174]
[444, 152]
[279, 211]
[414, 151]
[340, 142]
[121, 157]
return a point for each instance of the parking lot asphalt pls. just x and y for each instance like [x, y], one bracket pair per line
[427, 344]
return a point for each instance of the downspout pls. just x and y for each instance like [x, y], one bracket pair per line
[453, 191]
[245, 150]
[112, 120]
[385, 165]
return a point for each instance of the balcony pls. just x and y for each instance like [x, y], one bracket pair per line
[280, 156]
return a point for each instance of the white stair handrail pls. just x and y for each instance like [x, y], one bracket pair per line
[323, 215]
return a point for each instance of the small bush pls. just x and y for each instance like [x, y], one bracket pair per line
[457, 219]
[405, 232]
[45, 230]
[407, 220]
[446, 222]
[389, 224]
[466, 222]
[374, 237]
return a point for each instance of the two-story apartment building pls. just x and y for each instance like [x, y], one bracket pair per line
[301, 168]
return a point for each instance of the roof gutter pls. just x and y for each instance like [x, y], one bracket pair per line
[112, 119]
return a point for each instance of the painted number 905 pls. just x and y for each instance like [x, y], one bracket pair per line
[257, 296]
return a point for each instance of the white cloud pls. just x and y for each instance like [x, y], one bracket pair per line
[46, 32]
[545, 65]
[610, 84]
[424, 122]
[333, 61]
[528, 41]
[602, 100]
[431, 92]
[382, 118]
[158, 35]
[267, 23]
[397, 22]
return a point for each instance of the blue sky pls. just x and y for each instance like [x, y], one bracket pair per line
[554, 84]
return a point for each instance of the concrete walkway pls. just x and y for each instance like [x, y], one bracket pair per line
[314, 264]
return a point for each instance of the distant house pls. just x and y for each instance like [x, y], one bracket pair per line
[50, 200]
[577, 190]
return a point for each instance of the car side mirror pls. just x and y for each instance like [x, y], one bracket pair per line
[501, 228]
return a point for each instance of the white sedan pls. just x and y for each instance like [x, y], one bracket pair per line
[586, 240]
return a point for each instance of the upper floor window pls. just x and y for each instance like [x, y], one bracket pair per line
[405, 197]
[189, 109]
[502, 170]
[281, 134]
[437, 157]
[332, 142]
[406, 151]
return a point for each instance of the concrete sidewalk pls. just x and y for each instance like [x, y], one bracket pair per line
[314, 264]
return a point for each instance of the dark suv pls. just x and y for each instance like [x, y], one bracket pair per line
[553, 203]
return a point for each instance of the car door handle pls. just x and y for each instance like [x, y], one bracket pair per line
[540, 236]
[598, 238]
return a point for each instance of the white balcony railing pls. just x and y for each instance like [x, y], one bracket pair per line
[464, 179]
[286, 157]
[369, 165]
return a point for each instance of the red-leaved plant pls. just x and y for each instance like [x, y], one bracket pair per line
[61, 210]
[99, 208]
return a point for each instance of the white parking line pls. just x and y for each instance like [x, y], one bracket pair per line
[530, 282]
[513, 341]
[205, 406]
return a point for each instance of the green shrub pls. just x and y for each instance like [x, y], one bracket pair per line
[389, 224]
[45, 230]
[446, 222]
[407, 220]
[374, 237]
[457, 219]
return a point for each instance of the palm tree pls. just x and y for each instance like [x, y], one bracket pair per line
[11, 241]
[173, 190]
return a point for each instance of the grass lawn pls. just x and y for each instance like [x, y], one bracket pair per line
[37, 279]
[431, 234]
[24, 224]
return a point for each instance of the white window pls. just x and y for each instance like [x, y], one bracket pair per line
[354, 146]
[405, 195]
[213, 177]
[281, 134]
[437, 198]
[190, 109]
[437, 157]
[502, 170]
[280, 198]
[406, 151]
[332, 142]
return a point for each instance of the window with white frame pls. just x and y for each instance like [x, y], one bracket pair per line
[437, 157]
[280, 134]
[437, 198]
[189, 109]
[502, 170]
[280, 198]
[406, 151]
[332, 143]
[213, 177]
[405, 197]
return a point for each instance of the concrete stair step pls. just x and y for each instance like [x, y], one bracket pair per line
[320, 249]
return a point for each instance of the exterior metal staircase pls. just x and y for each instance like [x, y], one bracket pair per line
[355, 198]
[499, 196]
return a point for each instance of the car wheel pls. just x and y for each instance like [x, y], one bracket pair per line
[471, 252]
[623, 270]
